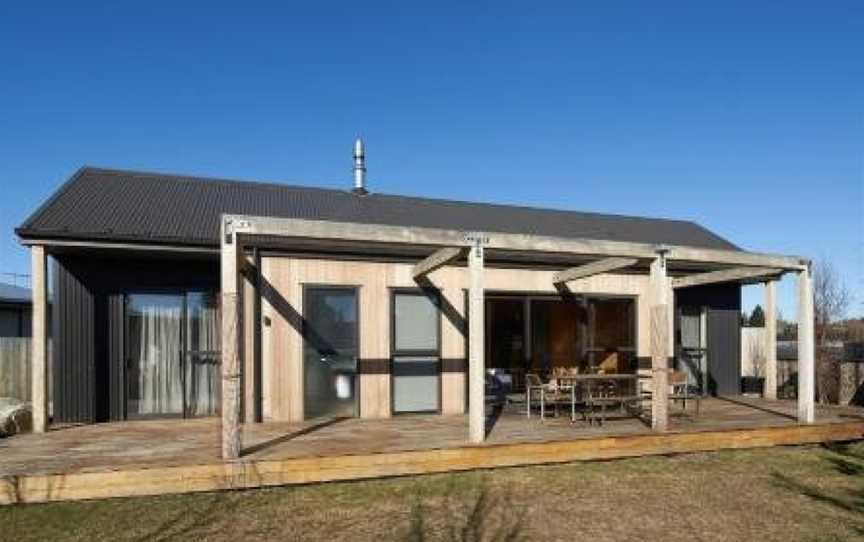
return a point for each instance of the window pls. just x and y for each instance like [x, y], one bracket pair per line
[416, 352]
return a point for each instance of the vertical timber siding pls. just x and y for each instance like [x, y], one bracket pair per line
[282, 307]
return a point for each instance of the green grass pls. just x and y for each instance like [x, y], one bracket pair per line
[789, 494]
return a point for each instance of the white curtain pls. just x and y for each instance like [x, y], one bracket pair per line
[202, 376]
[160, 380]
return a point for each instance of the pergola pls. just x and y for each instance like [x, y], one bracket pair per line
[668, 267]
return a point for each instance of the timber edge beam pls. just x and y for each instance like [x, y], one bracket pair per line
[249, 474]
[437, 238]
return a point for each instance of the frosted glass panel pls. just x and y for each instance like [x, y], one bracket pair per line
[415, 384]
[416, 324]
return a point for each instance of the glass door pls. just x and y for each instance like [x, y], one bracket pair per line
[172, 355]
[330, 352]
[203, 350]
[154, 369]
[691, 347]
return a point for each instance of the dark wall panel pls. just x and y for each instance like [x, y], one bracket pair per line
[724, 352]
[74, 348]
[116, 357]
[90, 358]
[723, 302]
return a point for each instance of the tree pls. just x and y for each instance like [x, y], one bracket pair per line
[830, 301]
[757, 317]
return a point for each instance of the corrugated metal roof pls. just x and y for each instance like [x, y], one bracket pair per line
[101, 204]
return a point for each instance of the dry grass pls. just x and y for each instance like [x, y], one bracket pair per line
[799, 493]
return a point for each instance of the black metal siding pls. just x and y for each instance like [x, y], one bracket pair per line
[89, 351]
[723, 303]
[73, 349]
[116, 366]
[724, 352]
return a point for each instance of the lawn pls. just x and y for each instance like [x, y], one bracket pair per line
[788, 494]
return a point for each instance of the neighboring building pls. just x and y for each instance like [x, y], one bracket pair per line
[336, 319]
[15, 317]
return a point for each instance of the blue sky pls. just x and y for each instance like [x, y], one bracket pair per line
[747, 117]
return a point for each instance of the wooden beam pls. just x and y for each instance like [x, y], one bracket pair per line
[725, 275]
[593, 268]
[437, 237]
[438, 259]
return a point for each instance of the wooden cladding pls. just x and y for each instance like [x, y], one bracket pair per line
[282, 320]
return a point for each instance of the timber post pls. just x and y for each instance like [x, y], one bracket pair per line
[39, 382]
[806, 348]
[476, 341]
[231, 329]
[660, 289]
[770, 340]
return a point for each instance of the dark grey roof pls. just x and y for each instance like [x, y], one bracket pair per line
[100, 204]
[14, 294]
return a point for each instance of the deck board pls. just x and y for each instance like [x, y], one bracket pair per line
[155, 457]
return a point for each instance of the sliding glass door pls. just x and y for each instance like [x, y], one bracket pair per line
[172, 361]
[544, 333]
[203, 349]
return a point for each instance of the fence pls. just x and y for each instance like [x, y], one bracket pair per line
[15, 367]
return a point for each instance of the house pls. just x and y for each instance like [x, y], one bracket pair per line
[180, 296]
[15, 317]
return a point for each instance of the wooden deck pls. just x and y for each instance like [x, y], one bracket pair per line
[156, 457]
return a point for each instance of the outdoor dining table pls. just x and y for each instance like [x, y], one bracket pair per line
[588, 381]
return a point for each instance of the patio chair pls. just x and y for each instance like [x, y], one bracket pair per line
[550, 393]
[534, 389]
[599, 396]
[495, 393]
[680, 384]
